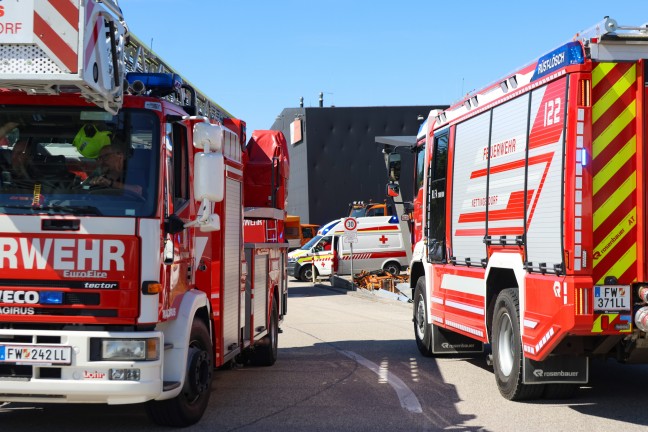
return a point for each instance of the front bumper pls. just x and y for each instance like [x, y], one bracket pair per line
[82, 381]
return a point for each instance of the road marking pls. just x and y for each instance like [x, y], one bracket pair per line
[408, 399]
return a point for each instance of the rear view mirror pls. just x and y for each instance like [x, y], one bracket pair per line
[394, 166]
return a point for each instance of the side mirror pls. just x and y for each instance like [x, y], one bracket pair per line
[393, 190]
[209, 177]
[394, 160]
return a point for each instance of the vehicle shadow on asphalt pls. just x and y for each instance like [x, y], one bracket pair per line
[615, 390]
[308, 289]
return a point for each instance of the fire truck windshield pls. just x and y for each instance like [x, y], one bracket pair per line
[78, 161]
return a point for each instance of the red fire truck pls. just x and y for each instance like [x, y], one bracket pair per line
[124, 273]
[532, 211]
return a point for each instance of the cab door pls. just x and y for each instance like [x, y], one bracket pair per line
[177, 246]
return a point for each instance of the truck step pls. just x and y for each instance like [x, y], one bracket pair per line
[170, 385]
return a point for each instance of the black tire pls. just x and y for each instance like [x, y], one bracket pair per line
[306, 273]
[392, 267]
[507, 349]
[560, 391]
[188, 406]
[422, 330]
[265, 351]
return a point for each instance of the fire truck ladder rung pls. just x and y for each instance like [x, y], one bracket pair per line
[271, 231]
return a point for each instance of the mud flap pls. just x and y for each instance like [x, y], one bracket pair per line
[557, 369]
[447, 342]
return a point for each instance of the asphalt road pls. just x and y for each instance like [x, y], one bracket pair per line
[348, 362]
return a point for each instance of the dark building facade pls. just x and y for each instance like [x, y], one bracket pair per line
[335, 160]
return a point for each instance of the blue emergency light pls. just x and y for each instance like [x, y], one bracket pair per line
[51, 297]
[327, 227]
[157, 84]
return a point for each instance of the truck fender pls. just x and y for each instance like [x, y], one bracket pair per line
[500, 264]
[416, 264]
[177, 332]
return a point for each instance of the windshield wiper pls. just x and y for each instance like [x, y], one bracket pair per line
[75, 210]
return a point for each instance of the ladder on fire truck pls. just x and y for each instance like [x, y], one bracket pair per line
[140, 58]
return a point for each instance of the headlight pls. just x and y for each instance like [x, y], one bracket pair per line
[125, 349]
[292, 260]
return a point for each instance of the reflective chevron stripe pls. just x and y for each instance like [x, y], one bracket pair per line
[614, 152]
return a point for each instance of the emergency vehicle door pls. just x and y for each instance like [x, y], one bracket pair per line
[323, 255]
[437, 199]
[177, 247]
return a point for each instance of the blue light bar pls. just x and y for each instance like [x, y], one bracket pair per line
[568, 54]
[161, 84]
[51, 297]
[326, 228]
[393, 219]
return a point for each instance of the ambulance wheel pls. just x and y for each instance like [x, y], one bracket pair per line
[265, 352]
[507, 349]
[422, 330]
[392, 267]
[188, 406]
[306, 273]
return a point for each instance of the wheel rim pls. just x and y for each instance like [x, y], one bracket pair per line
[391, 268]
[506, 345]
[198, 375]
[308, 274]
[420, 318]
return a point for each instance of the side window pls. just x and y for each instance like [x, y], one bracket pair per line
[436, 199]
[376, 211]
[180, 165]
[324, 244]
[441, 157]
[420, 167]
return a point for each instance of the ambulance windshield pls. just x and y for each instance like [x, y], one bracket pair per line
[312, 242]
[78, 161]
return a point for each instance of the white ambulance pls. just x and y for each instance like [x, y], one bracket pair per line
[379, 245]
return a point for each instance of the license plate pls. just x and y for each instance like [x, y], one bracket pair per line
[35, 354]
[611, 298]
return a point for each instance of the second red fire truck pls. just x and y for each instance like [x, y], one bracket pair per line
[531, 208]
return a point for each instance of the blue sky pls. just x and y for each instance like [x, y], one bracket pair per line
[256, 57]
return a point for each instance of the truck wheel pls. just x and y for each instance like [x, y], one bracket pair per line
[392, 267]
[422, 330]
[188, 407]
[265, 352]
[507, 349]
[306, 273]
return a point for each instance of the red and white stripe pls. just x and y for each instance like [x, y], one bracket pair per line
[372, 255]
[56, 30]
[90, 42]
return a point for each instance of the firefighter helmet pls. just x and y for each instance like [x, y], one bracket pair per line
[90, 140]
